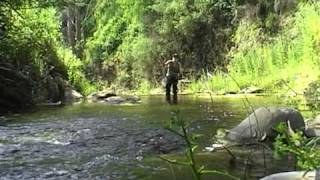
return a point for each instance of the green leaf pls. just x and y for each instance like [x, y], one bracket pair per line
[194, 148]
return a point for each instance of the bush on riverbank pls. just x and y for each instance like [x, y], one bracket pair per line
[32, 44]
[287, 60]
[124, 44]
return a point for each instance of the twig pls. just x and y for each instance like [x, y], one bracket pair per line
[173, 161]
[191, 156]
[290, 87]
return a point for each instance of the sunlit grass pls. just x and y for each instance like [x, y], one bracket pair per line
[287, 62]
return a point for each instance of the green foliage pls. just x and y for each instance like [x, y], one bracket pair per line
[305, 150]
[220, 83]
[75, 71]
[145, 87]
[259, 58]
[118, 34]
[125, 43]
[312, 95]
[30, 39]
[134, 39]
[32, 42]
[181, 128]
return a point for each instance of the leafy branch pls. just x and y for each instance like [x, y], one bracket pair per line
[179, 127]
[305, 150]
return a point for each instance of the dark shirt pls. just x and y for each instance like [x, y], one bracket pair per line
[173, 68]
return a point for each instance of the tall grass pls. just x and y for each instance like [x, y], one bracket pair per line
[289, 60]
[144, 88]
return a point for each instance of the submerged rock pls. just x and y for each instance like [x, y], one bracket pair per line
[55, 173]
[110, 97]
[229, 92]
[100, 96]
[115, 100]
[122, 100]
[133, 99]
[252, 90]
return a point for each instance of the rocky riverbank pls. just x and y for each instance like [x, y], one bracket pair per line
[20, 90]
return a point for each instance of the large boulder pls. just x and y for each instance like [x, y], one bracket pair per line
[123, 100]
[294, 175]
[261, 124]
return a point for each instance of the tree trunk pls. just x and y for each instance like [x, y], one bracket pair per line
[78, 31]
[70, 27]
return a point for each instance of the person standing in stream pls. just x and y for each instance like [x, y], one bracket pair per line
[173, 71]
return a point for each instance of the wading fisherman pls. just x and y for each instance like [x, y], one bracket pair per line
[173, 70]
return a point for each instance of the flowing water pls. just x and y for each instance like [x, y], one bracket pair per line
[99, 141]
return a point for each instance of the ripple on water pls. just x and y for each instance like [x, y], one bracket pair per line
[85, 145]
[102, 142]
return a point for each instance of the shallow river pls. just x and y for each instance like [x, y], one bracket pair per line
[99, 141]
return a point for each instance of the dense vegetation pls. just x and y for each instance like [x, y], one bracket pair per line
[94, 44]
[50, 46]
[133, 39]
[276, 53]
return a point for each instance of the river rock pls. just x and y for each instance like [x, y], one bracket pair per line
[229, 92]
[312, 132]
[315, 123]
[261, 123]
[252, 90]
[55, 173]
[123, 100]
[115, 100]
[313, 127]
[100, 96]
[72, 95]
[294, 175]
[133, 99]
[111, 98]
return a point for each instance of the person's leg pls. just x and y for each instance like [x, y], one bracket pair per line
[175, 90]
[168, 87]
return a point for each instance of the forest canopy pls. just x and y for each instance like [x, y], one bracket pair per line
[94, 44]
[124, 38]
